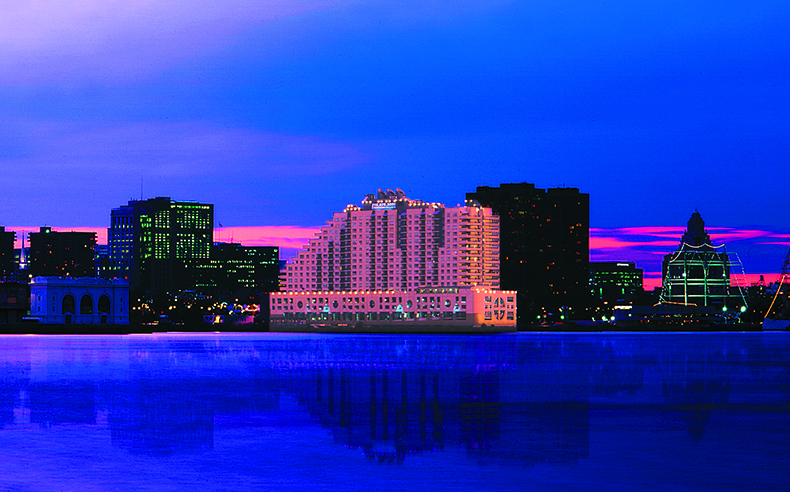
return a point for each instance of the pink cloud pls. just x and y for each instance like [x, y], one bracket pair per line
[646, 231]
[282, 236]
[602, 242]
[644, 245]
[290, 239]
[648, 245]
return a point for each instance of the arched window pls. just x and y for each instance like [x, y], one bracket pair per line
[68, 306]
[104, 304]
[86, 305]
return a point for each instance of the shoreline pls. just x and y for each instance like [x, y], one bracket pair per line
[134, 329]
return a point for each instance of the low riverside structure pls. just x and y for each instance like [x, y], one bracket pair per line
[79, 300]
[430, 309]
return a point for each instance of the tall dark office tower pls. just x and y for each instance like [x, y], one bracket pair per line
[7, 239]
[544, 246]
[153, 242]
[62, 254]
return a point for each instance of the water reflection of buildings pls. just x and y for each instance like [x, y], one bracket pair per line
[511, 401]
[11, 383]
[160, 417]
[393, 412]
[62, 402]
[697, 386]
[388, 413]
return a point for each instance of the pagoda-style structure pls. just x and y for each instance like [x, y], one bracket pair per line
[698, 273]
[777, 317]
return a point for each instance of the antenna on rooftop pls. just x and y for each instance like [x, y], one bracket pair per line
[141, 187]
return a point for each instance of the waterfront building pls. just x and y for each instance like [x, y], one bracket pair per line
[67, 300]
[616, 282]
[544, 246]
[393, 242]
[428, 308]
[152, 242]
[62, 254]
[698, 273]
[426, 255]
[233, 267]
[7, 263]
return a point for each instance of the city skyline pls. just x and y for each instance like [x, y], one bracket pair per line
[760, 251]
[277, 112]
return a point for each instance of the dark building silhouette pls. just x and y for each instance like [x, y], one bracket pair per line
[7, 239]
[102, 261]
[153, 242]
[14, 301]
[544, 245]
[62, 254]
[233, 267]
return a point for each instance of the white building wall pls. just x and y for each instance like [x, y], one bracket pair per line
[47, 294]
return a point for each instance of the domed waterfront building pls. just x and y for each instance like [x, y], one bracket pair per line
[698, 273]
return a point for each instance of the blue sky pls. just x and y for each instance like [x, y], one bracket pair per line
[282, 112]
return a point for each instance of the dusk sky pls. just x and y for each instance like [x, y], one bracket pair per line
[280, 113]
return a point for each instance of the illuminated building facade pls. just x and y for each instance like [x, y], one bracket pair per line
[62, 254]
[544, 245]
[431, 309]
[152, 242]
[698, 273]
[7, 263]
[233, 267]
[616, 282]
[70, 300]
[393, 242]
[424, 254]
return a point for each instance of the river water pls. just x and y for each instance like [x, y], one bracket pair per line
[588, 412]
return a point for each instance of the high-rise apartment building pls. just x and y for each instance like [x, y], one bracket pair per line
[400, 264]
[7, 263]
[152, 241]
[393, 242]
[544, 245]
[62, 254]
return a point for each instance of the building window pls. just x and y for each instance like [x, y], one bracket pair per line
[86, 305]
[68, 305]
